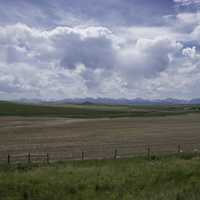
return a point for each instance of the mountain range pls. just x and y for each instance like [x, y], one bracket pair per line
[136, 101]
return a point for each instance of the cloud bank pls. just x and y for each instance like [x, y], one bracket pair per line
[154, 61]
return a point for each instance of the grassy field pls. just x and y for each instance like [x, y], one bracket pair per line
[67, 130]
[167, 178]
[93, 111]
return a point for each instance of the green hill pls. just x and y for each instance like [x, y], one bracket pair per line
[90, 111]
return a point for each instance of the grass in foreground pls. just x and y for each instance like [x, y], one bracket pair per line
[165, 178]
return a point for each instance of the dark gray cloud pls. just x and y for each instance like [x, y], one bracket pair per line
[92, 52]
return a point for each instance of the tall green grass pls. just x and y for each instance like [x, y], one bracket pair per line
[168, 178]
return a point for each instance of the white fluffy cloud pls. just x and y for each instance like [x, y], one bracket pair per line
[95, 61]
[187, 2]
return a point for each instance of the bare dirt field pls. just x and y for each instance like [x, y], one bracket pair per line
[66, 138]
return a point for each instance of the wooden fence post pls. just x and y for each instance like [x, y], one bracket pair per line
[8, 158]
[82, 155]
[148, 153]
[47, 158]
[29, 158]
[179, 148]
[115, 154]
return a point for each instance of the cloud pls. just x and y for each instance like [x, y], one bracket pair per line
[66, 61]
[187, 2]
[95, 61]
[148, 57]
[50, 13]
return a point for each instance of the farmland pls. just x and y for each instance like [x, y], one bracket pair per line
[155, 143]
[129, 129]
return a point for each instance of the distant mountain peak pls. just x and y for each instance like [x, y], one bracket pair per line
[121, 101]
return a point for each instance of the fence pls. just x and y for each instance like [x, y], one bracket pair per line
[98, 152]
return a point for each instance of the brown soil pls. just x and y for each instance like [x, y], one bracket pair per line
[98, 137]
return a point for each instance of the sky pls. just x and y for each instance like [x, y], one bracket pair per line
[60, 49]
